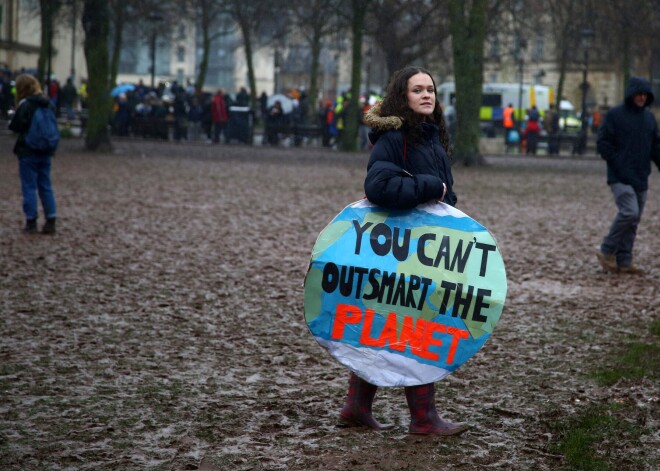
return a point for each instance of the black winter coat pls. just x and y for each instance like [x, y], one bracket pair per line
[21, 121]
[401, 175]
[628, 139]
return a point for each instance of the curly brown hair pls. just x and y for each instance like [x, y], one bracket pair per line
[26, 86]
[395, 103]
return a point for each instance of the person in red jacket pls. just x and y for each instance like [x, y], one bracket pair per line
[532, 130]
[220, 116]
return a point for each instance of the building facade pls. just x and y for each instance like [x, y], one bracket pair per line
[174, 52]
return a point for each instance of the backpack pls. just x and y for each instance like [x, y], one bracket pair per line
[43, 135]
[513, 137]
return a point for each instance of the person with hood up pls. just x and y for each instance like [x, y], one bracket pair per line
[409, 165]
[33, 165]
[628, 140]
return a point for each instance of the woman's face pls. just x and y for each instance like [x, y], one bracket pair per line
[421, 94]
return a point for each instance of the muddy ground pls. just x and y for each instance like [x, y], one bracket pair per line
[162, 327]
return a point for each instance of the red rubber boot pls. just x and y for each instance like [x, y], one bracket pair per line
[357, 409]
[424, 418]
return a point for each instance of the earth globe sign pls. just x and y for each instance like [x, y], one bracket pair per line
[404, 298]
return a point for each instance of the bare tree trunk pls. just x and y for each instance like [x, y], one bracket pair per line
[564, 34]
[351, 110]
[315, 19]
[468, 31]
[244, 24]
[314, 73]
[563, 64]
[96, 26]
[49, 9]
[119, 15]
[626, 60]
[206, 46]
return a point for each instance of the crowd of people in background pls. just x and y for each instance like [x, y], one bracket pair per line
[525, 134]
[172, 111]
[67, 99]
[181, 112]
[7, 92]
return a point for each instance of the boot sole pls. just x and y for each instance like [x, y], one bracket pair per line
[448, 433]
[347, 422]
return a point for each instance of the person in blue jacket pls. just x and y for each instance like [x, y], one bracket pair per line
[34, 166]
[409, 165]
[628, 141]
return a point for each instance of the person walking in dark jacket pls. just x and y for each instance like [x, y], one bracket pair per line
[68, 97]
[408, 166]
[551, 127]
[34, 166]
[628, 140]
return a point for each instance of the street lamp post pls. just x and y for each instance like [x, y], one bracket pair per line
[586, 35]
[73, 40]
[522, 45]
[277, 68]
[368, 86]
[336, 57]
[50, 60]
[154, 18]
[153, 58]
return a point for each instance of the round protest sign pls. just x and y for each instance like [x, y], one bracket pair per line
[404, 298]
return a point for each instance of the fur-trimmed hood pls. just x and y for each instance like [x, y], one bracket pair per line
[380, 123]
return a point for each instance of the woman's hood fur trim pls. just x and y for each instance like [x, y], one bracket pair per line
[381, 123]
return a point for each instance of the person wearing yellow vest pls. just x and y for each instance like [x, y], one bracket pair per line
[339, 117]
[82, 93]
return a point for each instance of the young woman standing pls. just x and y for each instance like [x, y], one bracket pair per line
[409, 165]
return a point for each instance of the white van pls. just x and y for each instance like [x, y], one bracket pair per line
[497, 96]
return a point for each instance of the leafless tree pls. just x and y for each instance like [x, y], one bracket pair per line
[627, 30]
[468, 32]
[356, 15]
[214, 21]
[49, 10]
[250, 16]
[409, 31]
[95, 21]
[315, 20]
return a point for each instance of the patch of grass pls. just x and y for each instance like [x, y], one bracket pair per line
[10, 369]
[597, 437]
[206, 433]
[636, 360]
[66, 133]
[655, 327]
[583, 437]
